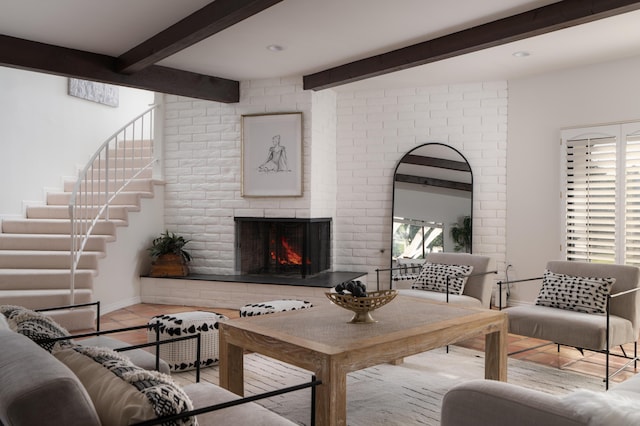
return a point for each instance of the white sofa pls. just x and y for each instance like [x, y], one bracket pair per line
[493, 403]
[45, 388]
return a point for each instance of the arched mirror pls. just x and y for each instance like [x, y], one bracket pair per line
[432, 203]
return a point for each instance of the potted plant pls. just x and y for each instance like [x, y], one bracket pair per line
[461, 234]
[169, 258]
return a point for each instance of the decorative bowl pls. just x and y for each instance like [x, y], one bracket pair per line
[363, 306]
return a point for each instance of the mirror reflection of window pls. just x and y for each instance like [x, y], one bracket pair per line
[413, 239]
[432, 194]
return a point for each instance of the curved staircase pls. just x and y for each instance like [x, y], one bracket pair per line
[39, 267]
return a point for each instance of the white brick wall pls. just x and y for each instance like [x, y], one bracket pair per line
[352, 142]
[376, 128]
[202, 168]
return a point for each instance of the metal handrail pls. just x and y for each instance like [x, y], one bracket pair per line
[90, 199]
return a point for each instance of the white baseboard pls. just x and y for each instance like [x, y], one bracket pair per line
[105, 309]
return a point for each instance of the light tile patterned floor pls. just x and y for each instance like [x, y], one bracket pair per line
[566, 358]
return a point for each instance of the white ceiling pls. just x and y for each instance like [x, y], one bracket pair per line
[319, 34]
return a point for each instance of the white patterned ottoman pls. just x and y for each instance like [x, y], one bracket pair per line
[181, 356]
[273, 306]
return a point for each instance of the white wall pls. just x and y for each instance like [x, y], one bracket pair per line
[539, 107]
[117, 284]
[47, 134]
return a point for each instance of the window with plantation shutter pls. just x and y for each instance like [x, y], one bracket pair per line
[602, 194]
[632, 196]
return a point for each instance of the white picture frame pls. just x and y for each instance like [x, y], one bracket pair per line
[272, 155]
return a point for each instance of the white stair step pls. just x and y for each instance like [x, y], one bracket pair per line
[62, 212]
[38, 299]
[131, 150]
[31, 259]
[117, 164]
[123, 198]
[136, 185]
[49, 242]
[137, 143]
[44, 279]
[56, 226]
[126, 173]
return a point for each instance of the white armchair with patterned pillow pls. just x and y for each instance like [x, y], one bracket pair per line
[459, 278]
[589, 306]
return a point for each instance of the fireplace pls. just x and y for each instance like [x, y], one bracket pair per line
[283, 246]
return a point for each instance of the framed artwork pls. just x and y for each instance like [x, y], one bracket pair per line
[106, 94]
[272, 155]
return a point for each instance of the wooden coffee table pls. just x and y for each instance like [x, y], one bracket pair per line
[322, 340]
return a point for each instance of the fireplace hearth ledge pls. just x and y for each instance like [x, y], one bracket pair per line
[235, 291]
[323, 279]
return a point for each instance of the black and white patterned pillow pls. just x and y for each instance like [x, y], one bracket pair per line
[433, 277]
[273, 306]
[34, 325]
[122, 392]
[407, 271]
[573, 293]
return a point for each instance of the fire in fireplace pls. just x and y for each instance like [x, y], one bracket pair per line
[283, 246]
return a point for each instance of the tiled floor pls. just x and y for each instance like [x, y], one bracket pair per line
[566, 358]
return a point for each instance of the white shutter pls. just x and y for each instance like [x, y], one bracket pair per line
[631, 134]
[590, 194]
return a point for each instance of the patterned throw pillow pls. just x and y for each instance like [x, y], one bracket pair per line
[123, 393]
[34, 325]
[406, 271]
[433, 277]
[580, 294]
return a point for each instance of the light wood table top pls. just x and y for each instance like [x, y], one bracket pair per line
[322, 340]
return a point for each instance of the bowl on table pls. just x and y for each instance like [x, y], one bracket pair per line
[363, 306]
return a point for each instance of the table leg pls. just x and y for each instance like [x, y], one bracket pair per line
[231, 367]
[331, 396]
[495, 355]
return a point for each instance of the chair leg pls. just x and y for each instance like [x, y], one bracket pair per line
[624, 353]
[606, 372]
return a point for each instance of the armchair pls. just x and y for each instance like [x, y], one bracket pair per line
[476, 291]
[579, 319]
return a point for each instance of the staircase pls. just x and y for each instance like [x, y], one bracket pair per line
[39, 265]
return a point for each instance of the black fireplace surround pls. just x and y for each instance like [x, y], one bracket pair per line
[283, 246]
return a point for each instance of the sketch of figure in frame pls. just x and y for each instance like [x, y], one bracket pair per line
[276, 158]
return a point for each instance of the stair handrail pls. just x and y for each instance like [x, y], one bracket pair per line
[87, 206]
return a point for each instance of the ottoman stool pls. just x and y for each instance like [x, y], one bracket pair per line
[181, 356]
[273, 306]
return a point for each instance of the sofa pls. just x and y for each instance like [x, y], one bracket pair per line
[493, 403]
[54, 388]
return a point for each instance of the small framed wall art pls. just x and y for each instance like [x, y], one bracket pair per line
[106, 94]
[272, 155]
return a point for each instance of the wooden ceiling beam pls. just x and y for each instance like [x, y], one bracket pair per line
[553, 17]
[213, 18]
[50, 59]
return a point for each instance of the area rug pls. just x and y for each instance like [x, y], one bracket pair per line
[407, 394]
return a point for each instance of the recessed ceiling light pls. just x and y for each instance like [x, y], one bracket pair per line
[275, 48]
[521, 54]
